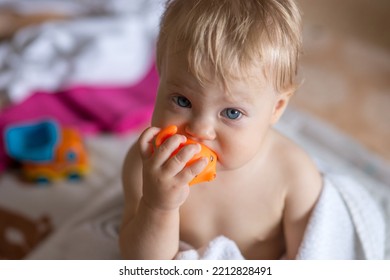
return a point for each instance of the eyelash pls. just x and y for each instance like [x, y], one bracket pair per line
[177, 100]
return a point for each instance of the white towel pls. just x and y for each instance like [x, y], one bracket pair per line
[345, 224]
[220, 248]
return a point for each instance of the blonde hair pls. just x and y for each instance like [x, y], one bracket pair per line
[233, 35]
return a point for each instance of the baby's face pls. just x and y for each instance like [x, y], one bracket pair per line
[234, 125]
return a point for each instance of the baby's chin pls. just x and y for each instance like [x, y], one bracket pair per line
[227, 166]
[232, 163]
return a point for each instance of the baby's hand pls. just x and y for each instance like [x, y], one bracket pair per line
[166, 178]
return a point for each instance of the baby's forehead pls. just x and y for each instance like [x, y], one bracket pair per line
[179, 66]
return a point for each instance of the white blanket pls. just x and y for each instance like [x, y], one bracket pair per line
[345, 224]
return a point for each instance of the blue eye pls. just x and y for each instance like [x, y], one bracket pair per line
[232, 114]
[182, 101]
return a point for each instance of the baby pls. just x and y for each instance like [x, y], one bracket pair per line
[227, 71]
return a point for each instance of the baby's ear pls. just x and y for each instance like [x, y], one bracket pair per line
[281, 103]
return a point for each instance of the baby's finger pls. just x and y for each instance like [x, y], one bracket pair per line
[191, 171]
[166, 149]
[145, 141]
[176, 163]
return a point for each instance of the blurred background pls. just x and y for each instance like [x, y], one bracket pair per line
[89, 64]
[346, 66]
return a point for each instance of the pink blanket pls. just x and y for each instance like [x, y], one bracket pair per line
[88, 108]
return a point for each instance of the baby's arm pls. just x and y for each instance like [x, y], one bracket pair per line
[302, 194]
[155, 187]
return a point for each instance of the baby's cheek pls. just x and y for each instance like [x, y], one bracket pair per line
[161, 119]
[235, 155]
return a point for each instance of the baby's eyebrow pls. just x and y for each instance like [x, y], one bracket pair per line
[237, 98]
[181, 85]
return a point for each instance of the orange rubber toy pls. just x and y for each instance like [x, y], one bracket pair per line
[209, 172]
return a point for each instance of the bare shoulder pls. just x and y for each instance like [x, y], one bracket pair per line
[299, 169]
[132, 181]
[303, 185]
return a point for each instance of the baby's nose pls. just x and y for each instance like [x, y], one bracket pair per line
[200, 130]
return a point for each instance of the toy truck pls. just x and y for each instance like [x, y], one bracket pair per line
[47, 151]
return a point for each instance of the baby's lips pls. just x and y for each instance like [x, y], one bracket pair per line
[209, 172]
